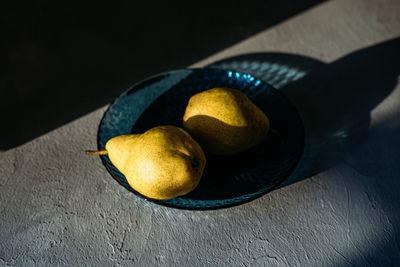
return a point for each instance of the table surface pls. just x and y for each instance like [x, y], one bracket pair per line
[340, 207]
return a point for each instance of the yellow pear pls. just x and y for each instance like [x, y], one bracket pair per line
[162, 163]
[225, 121]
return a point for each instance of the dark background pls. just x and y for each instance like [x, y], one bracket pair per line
[64, 60]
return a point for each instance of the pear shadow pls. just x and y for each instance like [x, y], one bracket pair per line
[334, 100]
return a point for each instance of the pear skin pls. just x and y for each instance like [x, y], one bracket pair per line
[162, 163]
[225, 121]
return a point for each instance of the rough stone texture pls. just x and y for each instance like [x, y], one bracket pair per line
[60, 207]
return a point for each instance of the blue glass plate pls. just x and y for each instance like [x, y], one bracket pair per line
[227, 181]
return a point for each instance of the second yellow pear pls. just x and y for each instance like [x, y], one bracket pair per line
[225, 121]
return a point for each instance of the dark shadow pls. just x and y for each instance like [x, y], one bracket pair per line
[334, 100]
[63, 60]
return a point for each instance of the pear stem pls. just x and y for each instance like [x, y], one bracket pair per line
[96, 152]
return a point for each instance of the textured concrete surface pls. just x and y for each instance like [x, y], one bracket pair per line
[339, 208]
